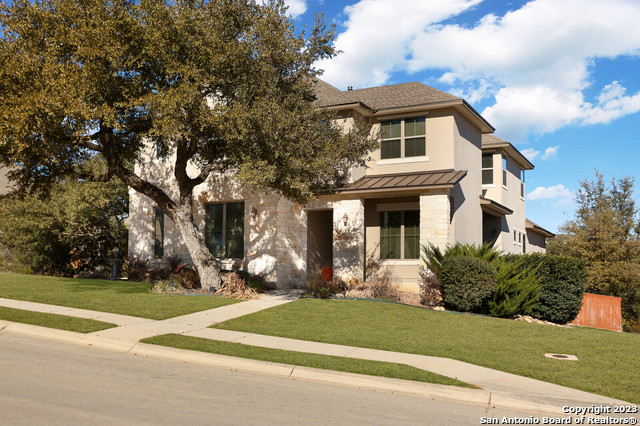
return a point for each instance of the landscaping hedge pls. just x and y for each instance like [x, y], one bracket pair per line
[563, 282]
[466, 282]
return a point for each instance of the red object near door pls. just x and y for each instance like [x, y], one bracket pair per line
[326, 274]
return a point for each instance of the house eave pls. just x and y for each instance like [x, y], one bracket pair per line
[459, 105]
[534, 227]
[494, 208]
[511, 151]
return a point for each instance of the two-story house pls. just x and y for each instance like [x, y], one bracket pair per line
[438, 177]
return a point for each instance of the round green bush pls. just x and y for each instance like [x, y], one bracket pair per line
[466, 282]
[563, 283]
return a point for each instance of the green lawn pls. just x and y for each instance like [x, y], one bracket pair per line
[327, 362]
[118, 297]
[609, 362]
[61, 322]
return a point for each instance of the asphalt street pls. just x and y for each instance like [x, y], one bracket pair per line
[50, 383]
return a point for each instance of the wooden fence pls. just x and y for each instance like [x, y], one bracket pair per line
[600, 311]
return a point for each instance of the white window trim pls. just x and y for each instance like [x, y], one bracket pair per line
[400, 262]
[403, 160]
[403, 138]
[492, 168]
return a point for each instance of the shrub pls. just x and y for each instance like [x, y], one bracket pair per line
[563, 282]
[430, 288]
[165, 286]
[164, 269]
[432, 256]
[255, 281]
[136, 268]
[517, 288]
[324, 289]
[187, 277]
[466, 282]
[378, 289]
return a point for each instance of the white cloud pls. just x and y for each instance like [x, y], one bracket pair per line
[556, 192]
[530, 153]
[534, 62]
[378, 37]
[550, 153]
[296, 7]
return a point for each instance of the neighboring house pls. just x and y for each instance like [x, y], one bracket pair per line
[438, 178]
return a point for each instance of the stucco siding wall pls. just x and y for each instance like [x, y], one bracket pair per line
[536, 243]
[511, 199]
[467, 217]
[439, 147]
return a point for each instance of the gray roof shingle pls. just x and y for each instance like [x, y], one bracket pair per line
[382, 97]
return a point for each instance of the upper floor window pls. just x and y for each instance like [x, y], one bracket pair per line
[224, 229]
[402, 138]
[522, 183]
[504, 171]
[487, 169]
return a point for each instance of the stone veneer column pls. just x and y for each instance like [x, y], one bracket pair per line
[348, 241]
[291, 244]
[434, 220]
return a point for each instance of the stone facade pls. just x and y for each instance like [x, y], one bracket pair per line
[348, 240]
[434, 219]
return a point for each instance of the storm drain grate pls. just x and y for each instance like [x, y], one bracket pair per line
[563, 357]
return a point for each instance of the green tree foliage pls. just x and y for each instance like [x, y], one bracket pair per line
[76, 227]
[606, 223]
[606, 234]
[224, 85]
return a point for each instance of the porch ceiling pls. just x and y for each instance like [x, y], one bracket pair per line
[401, 182]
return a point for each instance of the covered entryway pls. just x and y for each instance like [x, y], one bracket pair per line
[319, 241]
[494, 222]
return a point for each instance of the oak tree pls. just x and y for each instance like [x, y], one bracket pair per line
[219, 86]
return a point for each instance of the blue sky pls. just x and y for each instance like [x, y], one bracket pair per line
[558, 79]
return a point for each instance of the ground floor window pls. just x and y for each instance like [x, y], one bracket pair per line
[400, 234]
[224, 229]
[158, 241]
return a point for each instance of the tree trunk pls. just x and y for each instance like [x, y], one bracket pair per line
[207, 265]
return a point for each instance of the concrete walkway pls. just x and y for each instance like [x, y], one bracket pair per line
[498, 388]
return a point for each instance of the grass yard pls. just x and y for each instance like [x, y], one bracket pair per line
[117, 297]
[327, 362]
[61, 322]
[609, 362]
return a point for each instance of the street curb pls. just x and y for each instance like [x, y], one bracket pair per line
[478, 397]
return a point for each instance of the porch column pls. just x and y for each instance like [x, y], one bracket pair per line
[434, 219]
[348, 240]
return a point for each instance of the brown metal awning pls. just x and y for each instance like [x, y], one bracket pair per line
[530, 226]
[493, 208]
[401, 182]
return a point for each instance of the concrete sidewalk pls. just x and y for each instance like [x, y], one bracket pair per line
[498, 388]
